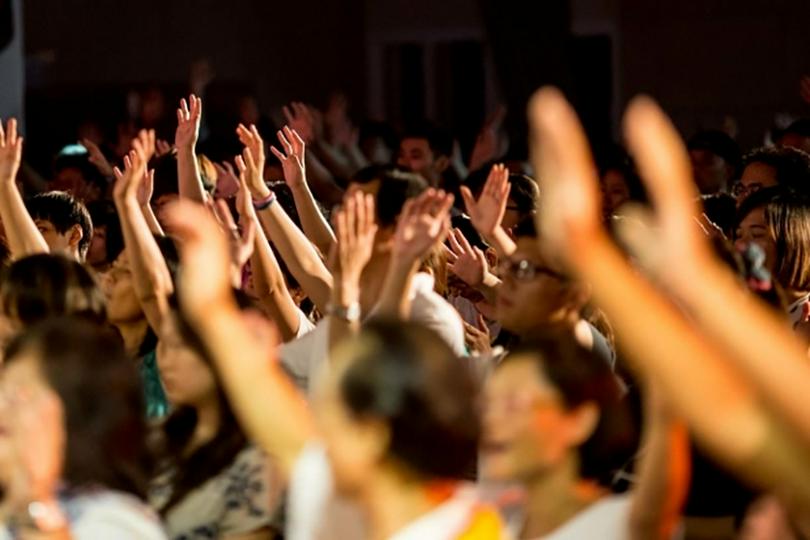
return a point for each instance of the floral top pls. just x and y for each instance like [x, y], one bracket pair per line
[242, 498]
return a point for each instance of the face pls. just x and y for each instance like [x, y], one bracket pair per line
[754, 229]
[527, 431]
[57, 242]
[616, 191]
[355, 448]
[710, 170]
[525, 301]
[70, 180]
[97, 252]
[755, 176]
[512, 215]
[794, 140]
[187, 379]
[122, 301]
[416, 155]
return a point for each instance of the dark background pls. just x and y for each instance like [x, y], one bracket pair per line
[450, 60]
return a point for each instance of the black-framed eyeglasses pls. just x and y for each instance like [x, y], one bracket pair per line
[740, 190]
[526, 270]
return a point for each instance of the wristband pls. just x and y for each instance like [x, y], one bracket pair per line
[261, 204]
[350, 313]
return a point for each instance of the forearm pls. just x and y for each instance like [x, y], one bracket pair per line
[151, 220]
[268, 406]
[270, 287]
[21, 232]
[345, 293]
[500, 240]
[489, 287]
[298, 253]
[313, 222]
[189, 181]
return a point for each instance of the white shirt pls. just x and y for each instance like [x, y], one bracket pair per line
[107, 514]
[304, 357]
[606, 519]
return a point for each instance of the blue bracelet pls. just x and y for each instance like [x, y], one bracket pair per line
[261, 204]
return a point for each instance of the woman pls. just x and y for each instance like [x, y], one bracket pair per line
[73, 436]
[211, 481]
[555, 423]
[778, 221]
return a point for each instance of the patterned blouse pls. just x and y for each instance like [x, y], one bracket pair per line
[242, 498]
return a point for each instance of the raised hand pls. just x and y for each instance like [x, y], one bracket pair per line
[188, 123]
[292, 160]
[424, 222]
[10, 151]
[307, 121]
[227, 181]
[242, 242]
[252, 161]
[488, 144]
[467, 262]
[355, 228]
[96, 157]
[205, 282]
[162, 148]
[487, 212]
[341, 131]
[135, 184]
[477, 337]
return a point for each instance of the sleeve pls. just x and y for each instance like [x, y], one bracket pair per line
[250, 494]
[115, 518]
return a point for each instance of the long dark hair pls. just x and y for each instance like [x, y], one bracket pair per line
[189, 471]
[86, 365]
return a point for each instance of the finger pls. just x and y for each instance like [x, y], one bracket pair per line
[276, 152]
[224, 214]
[469, 200]
[341, 229]
[2, 134]
[480, 256]
[11, 136]
[240, 164]
[454, 244]
[662, 159]
[481, 323]
[184, 109]
[297, 139]
[248, 157]
[256, 135]
[463, 241]
[371, 218]
[451, 257]
[351, 217]
[196, 107]
[288, 115]
[284, 142]
[117, 172]
[445, 203]
[362, 225]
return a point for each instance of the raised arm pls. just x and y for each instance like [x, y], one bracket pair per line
[266, 403]
[150, 275]
[422, 225]
[268, 281]
[487, 212]
[470, 265]
[185, 140]
[293, 162]
[694, 374]
[21, 232]
[295, 249]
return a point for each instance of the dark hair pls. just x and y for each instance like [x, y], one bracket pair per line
[103, 214]
[63, 211]
[719, 144]
[166, 181]
[787, 214]
[439, 140]
[721, 209]
[79, 161]
[613, 157]
[51, 285]
[379, 130]
[190, 471]
[99, 387]
[405, 375]
[582, 377]
[525, 228]
[800, 127]
[792, 166]
[396, 187]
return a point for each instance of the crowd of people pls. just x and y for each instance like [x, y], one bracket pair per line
[328, 330]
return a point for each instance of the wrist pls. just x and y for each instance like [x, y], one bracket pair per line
[345, 291]
[260, 192]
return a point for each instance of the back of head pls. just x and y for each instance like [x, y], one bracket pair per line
[64, 212]
[396, 187]
[581, 377]
[792, 166]
[405, 375]
[719, 144]
[41, 286]
[99, 388]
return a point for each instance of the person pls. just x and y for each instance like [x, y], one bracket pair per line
[211, 481]
[75, 461]
[555, 422]
[75, 174]
[107, 242]
[796, 135]
[771, 166]
[618, 179]
[426, 150]
[778, 221]
[715, 160]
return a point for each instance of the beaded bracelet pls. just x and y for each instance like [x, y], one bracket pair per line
[261, 204]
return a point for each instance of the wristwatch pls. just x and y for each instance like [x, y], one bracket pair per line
[42, 516]
[350, 313]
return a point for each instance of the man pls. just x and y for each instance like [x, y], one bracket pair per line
[426, 150]
[63, 222]
[715, 160]
[771, 166]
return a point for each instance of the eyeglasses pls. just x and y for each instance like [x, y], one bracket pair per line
[525, 270]
[740, 190]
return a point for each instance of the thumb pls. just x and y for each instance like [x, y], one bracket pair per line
[469, 200]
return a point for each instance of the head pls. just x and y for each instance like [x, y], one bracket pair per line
[82, 366]
[619, 181]
[771, 166]
[796, 135]
[552, 407]
[396, 395]
[73, 173]
[63, 221]
[166, 184]
[523, 194]
[534, 295]
[108, 241]
[778, 221]
[715, 159]
[378, 142]
[44, 286]
[425, 150]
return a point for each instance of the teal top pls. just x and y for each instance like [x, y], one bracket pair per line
[156, 404]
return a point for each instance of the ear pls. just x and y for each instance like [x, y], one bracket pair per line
[75, 235]
[441, 163]
[583, 422]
